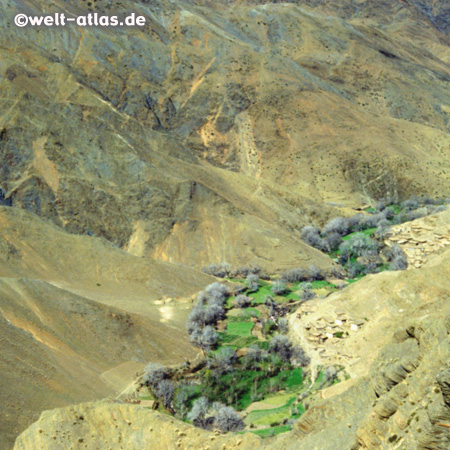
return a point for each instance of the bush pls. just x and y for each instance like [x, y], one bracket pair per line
[242, 301]
[281, 346]
[208, 338]
[315, 274]
[198, 414]
[311, 235]
[283, 325]
[206, 313]
[279, 288]
[268, 326]
[180, 400]
[226, 418]
[333, 241]
[337, 225]
[306, 292]
[254, 355]
[299, 357]
[253, 282]
[218, 270]
[224, 359]
[397, 257]
[217, 293]
[164, 390]
[244, 271]
[410, 204]
[294, 275]
[382, 231]
[153, 374]
[355, 269]
[358, 245]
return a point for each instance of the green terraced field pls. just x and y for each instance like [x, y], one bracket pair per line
[269, 416]
[240, 328]
[268, 432]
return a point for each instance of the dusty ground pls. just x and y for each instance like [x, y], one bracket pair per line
[79, 318]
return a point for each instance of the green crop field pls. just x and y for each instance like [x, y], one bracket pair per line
[240, 328]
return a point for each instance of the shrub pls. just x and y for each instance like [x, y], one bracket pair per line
[242, 301]
[397, 257]
[208, 338]
[333, 241]
[311, 235]
[416, 214]
[279, 288]
[294, 275]
[382, 230]
[226, 418]
[224, 359]
[164, 390]
[207, 312]
[441, 208]
[218, 270]
[198, 414]
[268, 326]
[306, 292]
[252, 281]
[356, 222]
[355, 269]
[283, 325]
[180, 400]
[281, 346]
[410, 204]
[330, 373]
[315, 274]
[254, 355]
[217, 293]
[358, 245]
[299, 357]
[213, 313]
[244, 271]
[153, 374]
[337, 225]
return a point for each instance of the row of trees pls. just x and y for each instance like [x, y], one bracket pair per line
[224, 270]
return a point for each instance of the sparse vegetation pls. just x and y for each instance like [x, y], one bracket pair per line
[357, 242]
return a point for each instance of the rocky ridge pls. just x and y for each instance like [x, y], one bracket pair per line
[421, 238]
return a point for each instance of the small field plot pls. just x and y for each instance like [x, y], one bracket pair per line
[269, 416]
[268, 432]
[240, 328]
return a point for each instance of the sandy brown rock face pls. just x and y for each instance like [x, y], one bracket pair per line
[128, 427]
[398, 358]
[79, 318]
[422, 238]
[217, 117]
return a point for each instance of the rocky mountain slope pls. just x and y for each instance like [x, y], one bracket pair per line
[80, 317]
[134, 157]
[222, 113]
